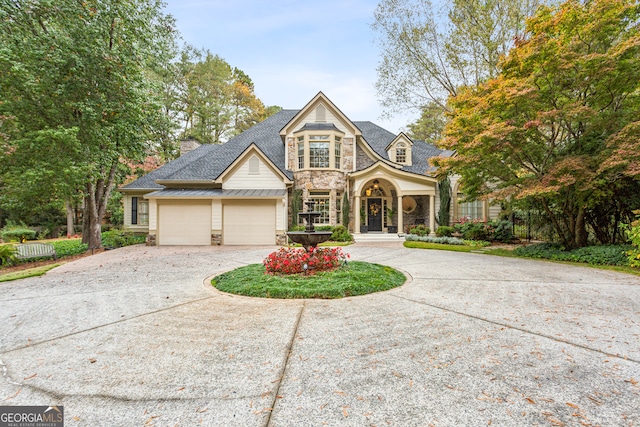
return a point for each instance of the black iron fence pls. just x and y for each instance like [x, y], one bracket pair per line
[532, 225]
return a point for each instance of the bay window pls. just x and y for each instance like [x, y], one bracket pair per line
[319, 150]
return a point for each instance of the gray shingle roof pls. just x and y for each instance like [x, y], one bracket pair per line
[208, 161]
[379, 138]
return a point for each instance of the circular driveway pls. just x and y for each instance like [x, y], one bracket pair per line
[137, 337]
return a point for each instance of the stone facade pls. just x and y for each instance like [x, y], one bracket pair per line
[362, 160]
[348, 148]
[420, 215]
[151, 240]
[334, 182]
[281, 239]
[187, 145]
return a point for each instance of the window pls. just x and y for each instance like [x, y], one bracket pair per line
[139, 211]
[134, 210]
[337, 152]
[401, 153]
[322, 199]
[319, 151]
[319, 146]
[339, 208]
[301, 152]
[471, 210]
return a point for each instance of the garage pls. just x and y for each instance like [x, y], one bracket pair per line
[249, 222]
[184, 222]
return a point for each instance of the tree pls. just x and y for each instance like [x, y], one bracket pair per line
[559, 125]
[425, 58]
[430, 125]
[76, 78]
[218, 101]
[444, 188]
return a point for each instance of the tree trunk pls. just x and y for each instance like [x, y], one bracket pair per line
[70, 224]
[580, 230]
[95, 208]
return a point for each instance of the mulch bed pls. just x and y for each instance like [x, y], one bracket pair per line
[34, 264]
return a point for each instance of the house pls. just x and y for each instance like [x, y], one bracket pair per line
[241, 192]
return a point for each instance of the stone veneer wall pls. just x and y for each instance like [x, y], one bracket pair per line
[420, 215]
[322, 180]
[362, 160]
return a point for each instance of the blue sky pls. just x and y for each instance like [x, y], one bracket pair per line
[293, 49]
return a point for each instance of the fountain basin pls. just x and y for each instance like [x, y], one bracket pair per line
[309, 239]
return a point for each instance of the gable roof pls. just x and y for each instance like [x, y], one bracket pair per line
[319, 99]
[379, 139]
[207, 162]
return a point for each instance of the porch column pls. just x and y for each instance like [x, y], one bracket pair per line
[432, 214]
[356, 208]
[400, 215]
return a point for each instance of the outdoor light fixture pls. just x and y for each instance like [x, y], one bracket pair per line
[374, 189]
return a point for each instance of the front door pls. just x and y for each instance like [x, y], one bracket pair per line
[375, 214]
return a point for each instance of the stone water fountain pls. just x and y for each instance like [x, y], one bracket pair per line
[309, 238]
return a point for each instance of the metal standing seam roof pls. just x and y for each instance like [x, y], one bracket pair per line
[218, 192]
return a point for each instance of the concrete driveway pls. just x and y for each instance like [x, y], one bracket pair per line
[136, 337]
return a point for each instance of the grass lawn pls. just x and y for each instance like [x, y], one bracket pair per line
[441, 246]
[358, 278]
[23, 274]
[509, 253]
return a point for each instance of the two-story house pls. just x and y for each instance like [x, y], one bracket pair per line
[240, 192]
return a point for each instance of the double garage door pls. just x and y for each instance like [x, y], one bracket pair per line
[250, 222]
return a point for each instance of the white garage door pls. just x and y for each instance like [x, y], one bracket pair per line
[249, 222]
[184, 223]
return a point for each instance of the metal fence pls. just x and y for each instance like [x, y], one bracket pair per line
[532, 225]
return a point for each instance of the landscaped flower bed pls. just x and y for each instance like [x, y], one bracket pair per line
[294, 260]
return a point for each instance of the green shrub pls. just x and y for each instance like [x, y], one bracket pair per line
[341, 234]
[69, 247]
[7, 254]
[474, 230]
[420, 230]
[13, 232]
[633, 233]
[444, 231]
[446, 240]
[118, 239]
[501, 230]
[594, 255]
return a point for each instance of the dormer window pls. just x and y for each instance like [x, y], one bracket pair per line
[399, 150]
[401, 153]
[319, 146]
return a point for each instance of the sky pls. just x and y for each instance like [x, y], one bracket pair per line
[293, 49]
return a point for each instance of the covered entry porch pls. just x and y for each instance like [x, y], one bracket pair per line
[387, 200]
